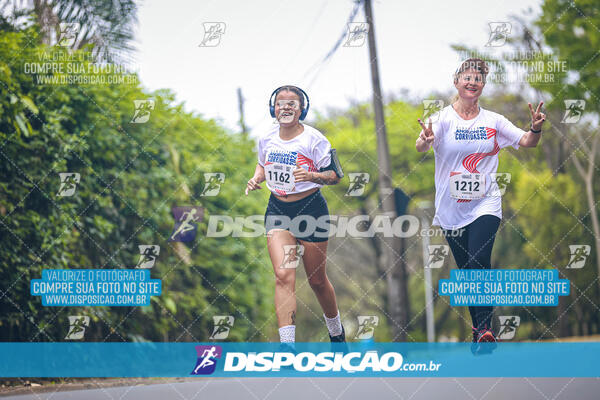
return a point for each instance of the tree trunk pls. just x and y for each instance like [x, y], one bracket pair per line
[403, 283]
[46, 19]
[396, 286]
[589, 191]
[588, 179]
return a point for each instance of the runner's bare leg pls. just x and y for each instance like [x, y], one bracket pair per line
[315, 257]
[285, 278]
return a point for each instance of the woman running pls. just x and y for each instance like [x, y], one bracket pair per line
[466, 141]
[296, 160]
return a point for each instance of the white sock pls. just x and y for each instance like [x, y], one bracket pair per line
[334, 325]
[287, 334]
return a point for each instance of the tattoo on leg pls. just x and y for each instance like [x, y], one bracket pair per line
[293, 316]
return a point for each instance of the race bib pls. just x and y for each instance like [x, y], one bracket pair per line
[467, 186]
[280, 176]
[279, 171]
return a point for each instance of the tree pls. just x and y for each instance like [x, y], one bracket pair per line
[571, 30]
[130, 180]
[107, 26]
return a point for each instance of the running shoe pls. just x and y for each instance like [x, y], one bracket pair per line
[486, 342]
[486, 335]
[338, 343]
[287, 348]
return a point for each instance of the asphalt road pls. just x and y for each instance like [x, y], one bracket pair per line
[344, 388]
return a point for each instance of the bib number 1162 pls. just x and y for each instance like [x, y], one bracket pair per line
[279, 176]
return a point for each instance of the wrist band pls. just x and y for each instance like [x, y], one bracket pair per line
[534, 131]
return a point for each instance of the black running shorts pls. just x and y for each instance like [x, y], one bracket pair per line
[307, 219]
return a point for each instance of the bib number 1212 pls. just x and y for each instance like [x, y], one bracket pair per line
[467, 186]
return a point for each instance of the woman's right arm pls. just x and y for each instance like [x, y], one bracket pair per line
[426, 137]
[259, 176]
[259, 173]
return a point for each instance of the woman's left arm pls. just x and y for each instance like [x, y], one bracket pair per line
[321, 154]
[531, 138]
[322, 178]
[325, 178]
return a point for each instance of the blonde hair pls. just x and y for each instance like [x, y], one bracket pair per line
[476, 64]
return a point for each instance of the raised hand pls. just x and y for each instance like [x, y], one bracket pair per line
[537, 117]
[427, 133]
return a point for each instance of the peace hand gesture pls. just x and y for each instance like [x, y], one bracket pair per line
[537, 117]
[427, 134]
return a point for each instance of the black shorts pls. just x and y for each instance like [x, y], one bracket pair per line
[307, 219]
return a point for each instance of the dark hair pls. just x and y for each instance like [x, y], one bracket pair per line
[293, 89]
[476, 64]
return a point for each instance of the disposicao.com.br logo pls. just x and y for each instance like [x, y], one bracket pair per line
[355, 226]
[351, 362]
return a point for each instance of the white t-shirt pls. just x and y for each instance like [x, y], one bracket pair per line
[309, 150]
[466, 148]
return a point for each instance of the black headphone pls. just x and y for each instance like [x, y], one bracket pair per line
[274, 94]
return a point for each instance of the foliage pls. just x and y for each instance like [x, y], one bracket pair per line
[130, 179]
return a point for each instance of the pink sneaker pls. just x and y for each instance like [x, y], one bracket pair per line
[486, 335]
